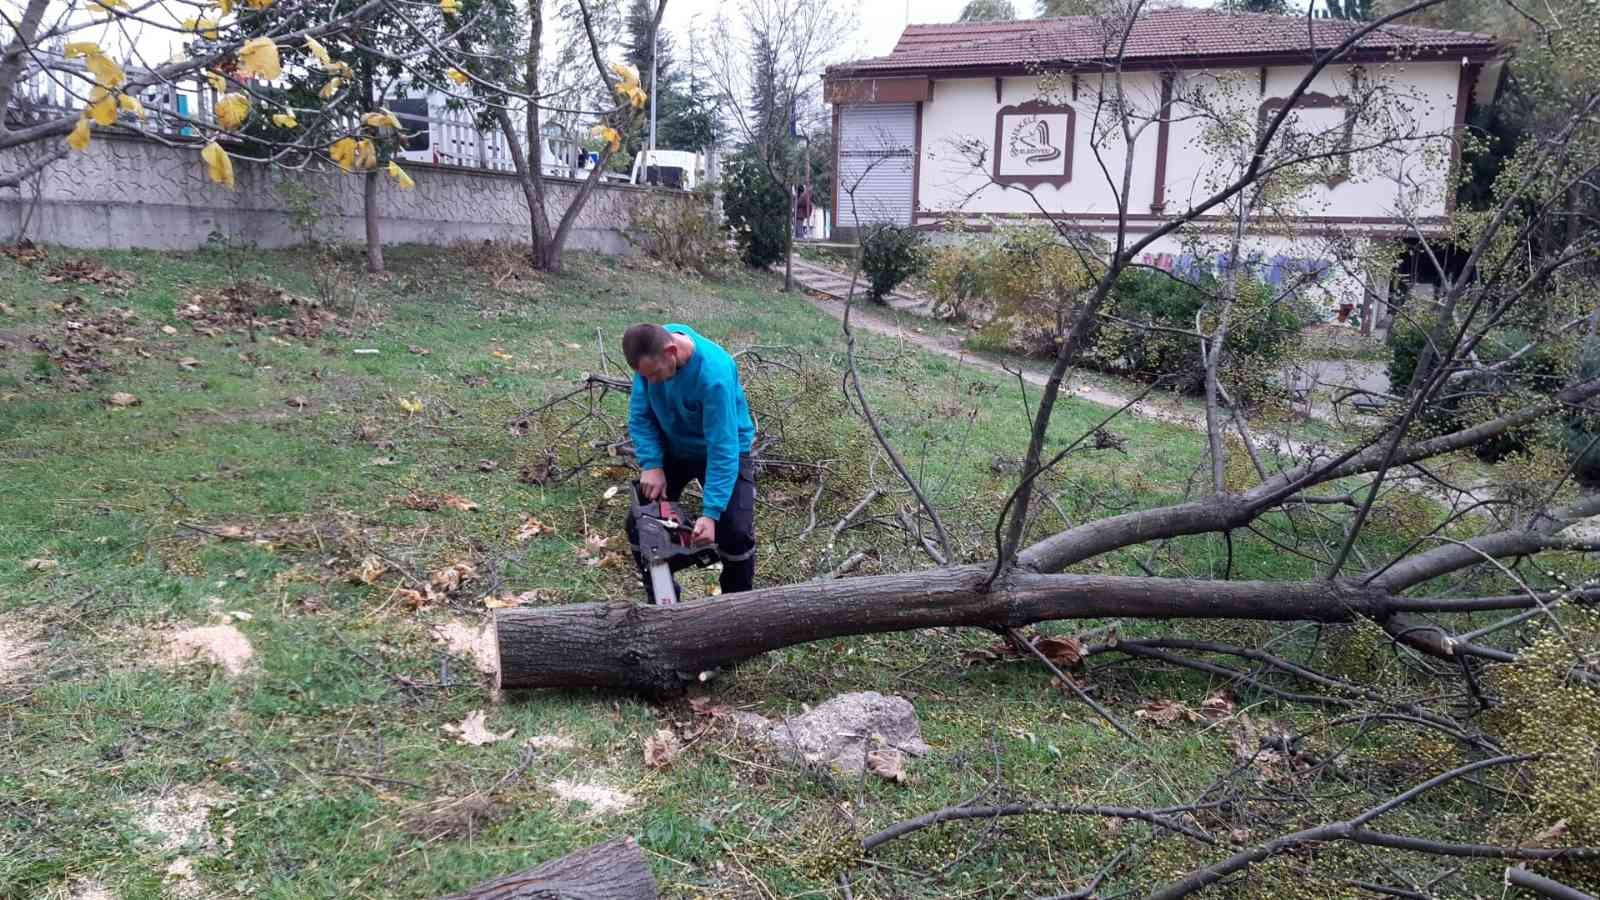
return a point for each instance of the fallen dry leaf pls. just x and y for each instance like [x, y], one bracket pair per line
[40, 565]
[422, 502]
[121, 399]
[572, 346]
[474, 731]
[297, 401]
[419, 351]
[705, 706]
[411, 598]
[459, 503]
[1165, 712]
[501, 355]
[1216, 706]
[888, 764]
[386, 461]
[487, 465]
[508, 600]
[531, 528]
[1063, 651]
[188, 362]
[411, 405]
[168, 330]
[370, 570]
[612, 473]
[1550, 836]
[661, 748]
[610, 492]
[450, 578]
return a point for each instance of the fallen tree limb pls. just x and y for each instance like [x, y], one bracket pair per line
[1544, 887]
[614, 870]
[623, 644]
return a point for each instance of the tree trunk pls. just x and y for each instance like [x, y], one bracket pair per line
[614, 870]
[655, 649]
[369, 196]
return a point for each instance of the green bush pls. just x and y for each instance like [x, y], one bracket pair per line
[889, 255]
[1579, 431]
[1483, 395]
[1262, 330]
[757, 210]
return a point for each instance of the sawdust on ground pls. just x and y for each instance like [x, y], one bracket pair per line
[82, 889]
[478, 644]
[224, 645]
[181, 819]
[600, 800]
[18, 646]
[549, 742]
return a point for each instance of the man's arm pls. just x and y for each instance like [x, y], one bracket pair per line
[642, 427]
[720, 419]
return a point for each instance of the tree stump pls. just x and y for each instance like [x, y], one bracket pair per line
[614, 870]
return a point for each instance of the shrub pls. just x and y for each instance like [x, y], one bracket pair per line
[889, 255]
[1483, 395]
[682, 235]
[955, 279]
[1263, 329]
[757, 211]
[1579, 431]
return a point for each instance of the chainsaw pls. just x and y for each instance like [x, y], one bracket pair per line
[665, 535]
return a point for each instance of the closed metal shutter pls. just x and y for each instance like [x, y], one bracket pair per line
[877, 146]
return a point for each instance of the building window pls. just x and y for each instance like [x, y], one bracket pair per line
[1033, 144]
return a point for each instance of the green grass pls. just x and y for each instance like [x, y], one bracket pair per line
[328, 769]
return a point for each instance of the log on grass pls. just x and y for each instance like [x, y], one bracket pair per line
[632, 646]
[614, 870]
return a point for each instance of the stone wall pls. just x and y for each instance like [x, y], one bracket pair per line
[132, 192]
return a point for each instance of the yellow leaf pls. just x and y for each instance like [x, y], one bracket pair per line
[217, 82]
[456, 75]
[366, 154]
[219, 167]
[131, 104]
[343, 152]
[203, 26]
[259, 56]
[381, 119]
[106, 73]
[285, 120]
[85, 49]
[225, 7]
[400, 176]
[609, 135]
[111, 5]
[628, 74]
[79, 138]
[449, 7]
[260, 4]
[636, 96]
[329, 89]
[232, 111]
[315, 48]
[102, 108]
[410, 404]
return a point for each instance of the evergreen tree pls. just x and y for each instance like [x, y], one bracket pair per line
[988, 11]
[1353, 10]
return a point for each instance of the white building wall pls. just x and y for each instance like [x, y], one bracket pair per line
[1407, 176]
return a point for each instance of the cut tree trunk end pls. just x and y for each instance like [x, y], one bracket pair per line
[614, 870]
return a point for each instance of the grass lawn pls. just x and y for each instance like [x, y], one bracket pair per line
[254, 479]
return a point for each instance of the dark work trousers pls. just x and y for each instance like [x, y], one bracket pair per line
[736, 529]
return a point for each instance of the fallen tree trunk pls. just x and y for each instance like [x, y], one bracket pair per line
[628, 645]
[614, 870]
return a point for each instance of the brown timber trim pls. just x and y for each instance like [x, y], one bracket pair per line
[916, 169]
[1473, 52]
[1158, 199]
[835, 198]
[1464, 88]
[913, 89]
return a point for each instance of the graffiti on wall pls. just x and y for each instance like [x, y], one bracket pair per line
[1275, 271]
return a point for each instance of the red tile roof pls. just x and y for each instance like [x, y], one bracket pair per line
[1160, 36]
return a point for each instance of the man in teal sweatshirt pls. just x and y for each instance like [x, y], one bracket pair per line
[689, 420]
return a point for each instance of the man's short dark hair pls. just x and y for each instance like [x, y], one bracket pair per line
[643, 340]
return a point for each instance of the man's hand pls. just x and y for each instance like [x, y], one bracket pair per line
[653, 484]
[705, 532]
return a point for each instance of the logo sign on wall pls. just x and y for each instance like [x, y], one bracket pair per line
[1033, 144]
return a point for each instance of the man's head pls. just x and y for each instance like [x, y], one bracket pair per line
[651, 351]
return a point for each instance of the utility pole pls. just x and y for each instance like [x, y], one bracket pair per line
[655, 44]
